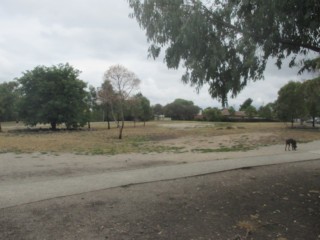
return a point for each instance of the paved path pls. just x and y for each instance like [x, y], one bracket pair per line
[16, 193]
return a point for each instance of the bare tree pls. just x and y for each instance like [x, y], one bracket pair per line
[124, 83]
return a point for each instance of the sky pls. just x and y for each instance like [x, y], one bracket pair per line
[93, 35]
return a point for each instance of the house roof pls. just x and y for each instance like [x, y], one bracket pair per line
[225, 112]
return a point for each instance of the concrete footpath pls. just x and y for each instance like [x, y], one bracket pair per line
[12, 194]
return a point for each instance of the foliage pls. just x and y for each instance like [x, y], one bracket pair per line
[250, 111]
[109, 102]
[245, 104]
[181, 109]
[141, 109]
[226, 43]
[123, 83]
[232, 111]
[53, 95]
[290, 103]
[158, 109]
[212, 114]
[311, 93]
[267, 111]
[8, 101]
[91, 101]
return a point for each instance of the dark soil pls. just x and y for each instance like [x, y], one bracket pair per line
[275, 202]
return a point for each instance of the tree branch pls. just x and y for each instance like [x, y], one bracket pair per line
[308, 46]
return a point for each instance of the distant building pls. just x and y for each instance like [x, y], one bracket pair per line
[237, 114]
[161, 118]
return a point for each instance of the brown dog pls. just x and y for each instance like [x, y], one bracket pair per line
[291, 142]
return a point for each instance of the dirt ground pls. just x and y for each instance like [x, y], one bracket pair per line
[275, 202]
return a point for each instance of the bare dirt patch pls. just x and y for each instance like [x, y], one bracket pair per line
[276, 202]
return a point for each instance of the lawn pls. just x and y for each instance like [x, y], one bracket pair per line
[156, 136]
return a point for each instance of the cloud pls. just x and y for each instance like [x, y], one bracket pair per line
[93, 35]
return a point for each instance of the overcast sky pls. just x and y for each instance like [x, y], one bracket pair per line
[93, 35]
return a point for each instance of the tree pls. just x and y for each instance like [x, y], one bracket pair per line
[123, 82]
[311, 93]
[232, 111]
[181, 109]
[247, 103]
[53, 95]
[251, 111]
[267, 111]
[158, 109]
[8, 100]
[212, 114]
[91, 101]
[141, 108]
[108, 99]
[290, 103]
[226, 43]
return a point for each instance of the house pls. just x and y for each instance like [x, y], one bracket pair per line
[238, 115]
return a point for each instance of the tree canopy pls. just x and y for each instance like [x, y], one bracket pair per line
[53, 95]
[290, 103]
[8, 101]
[226, 43]
[311, 95]
[247, 103]
[181, 109]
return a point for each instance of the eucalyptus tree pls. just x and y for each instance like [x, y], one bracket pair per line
[226, 43]
[124, 83]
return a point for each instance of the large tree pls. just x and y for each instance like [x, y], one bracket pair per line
[225, 43]
[53, 95]
[311, 93]
[181, 109]
[124, 83]
[8, 100]
[290, 103]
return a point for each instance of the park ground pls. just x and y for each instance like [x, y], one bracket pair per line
[272, 202]
[279, 202]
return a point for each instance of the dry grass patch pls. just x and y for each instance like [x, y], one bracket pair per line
[154, 137]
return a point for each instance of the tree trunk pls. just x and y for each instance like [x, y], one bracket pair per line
[122, 122]
[313, 121]
[121, 129]
[89, 125]
[53, 126]
[0, 127]
[108, 120]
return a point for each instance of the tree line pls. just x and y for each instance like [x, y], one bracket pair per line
[55, 95]
[295, 101]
